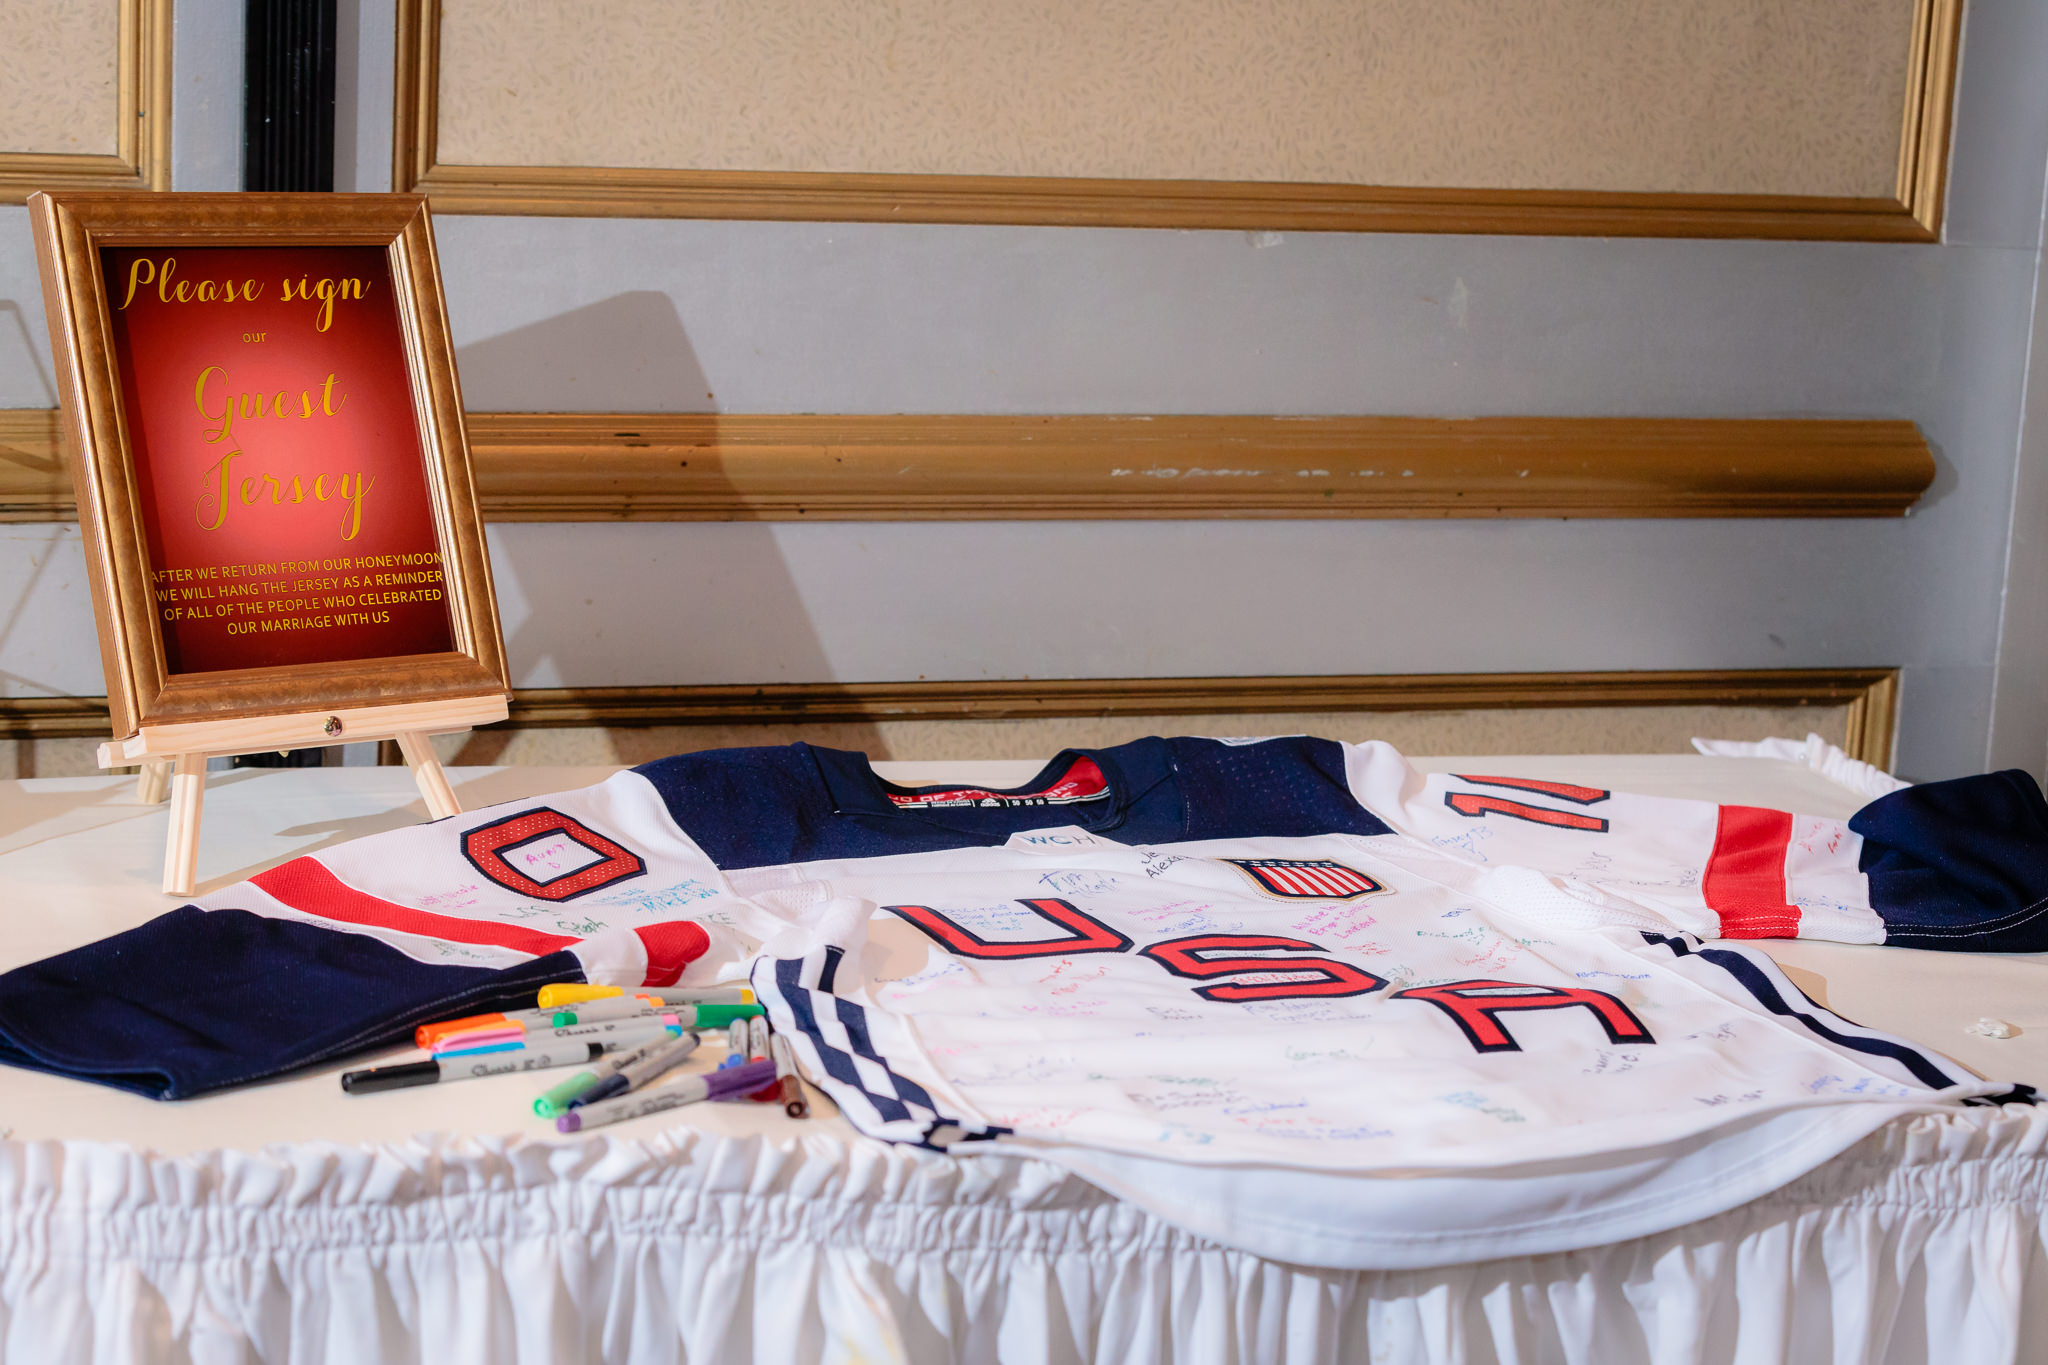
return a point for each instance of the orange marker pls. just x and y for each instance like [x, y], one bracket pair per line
[427, 1035]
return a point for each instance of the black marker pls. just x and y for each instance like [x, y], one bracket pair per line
[462, 1068]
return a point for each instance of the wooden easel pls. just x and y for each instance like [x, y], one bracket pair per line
[173, 758]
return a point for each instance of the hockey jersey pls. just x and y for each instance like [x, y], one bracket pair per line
[1288, 993]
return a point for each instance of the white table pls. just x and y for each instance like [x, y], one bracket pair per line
[236, 1222]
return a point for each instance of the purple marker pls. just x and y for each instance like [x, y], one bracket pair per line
[709, 1085]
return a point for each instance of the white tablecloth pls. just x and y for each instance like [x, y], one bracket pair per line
[288, 1222]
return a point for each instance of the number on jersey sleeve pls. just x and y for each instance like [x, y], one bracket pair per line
[1477, 805]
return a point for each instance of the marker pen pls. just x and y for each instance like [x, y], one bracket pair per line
[573, 993]
[654, 1063]
[616, 1032]
[608, 1043]
[598, 1011]
[456, 1047]
[735, 1045]
[711, 995]
[558, 1099]
[709, 1085]
[426, 1034]
[689, 1016]
[618, 1007]
[548, 1022]
[473, 1038]
[568, 994]
[429, 1072]
[794, 1103]
[555, 1100]
[638, 1028]
[757, 1050]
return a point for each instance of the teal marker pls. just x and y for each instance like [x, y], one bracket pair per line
[688, 1016]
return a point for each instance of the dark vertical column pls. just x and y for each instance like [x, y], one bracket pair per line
[288, 144]
[288, 97]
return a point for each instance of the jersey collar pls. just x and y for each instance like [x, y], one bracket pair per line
[1091, 788]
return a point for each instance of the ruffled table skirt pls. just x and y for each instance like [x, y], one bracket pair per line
[1922, 1243]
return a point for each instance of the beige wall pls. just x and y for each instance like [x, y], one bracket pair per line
[1711, 96]
[59, 76]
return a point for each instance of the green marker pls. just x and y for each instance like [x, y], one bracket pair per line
[715, 1016]
[689, 1016]
[555, 1101]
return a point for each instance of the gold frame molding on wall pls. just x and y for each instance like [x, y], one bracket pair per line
[1913, 215]
[1870, 694]
[717, 467]
[142, 155]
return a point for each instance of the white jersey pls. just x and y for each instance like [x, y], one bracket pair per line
[1289, 994]
[1491, 1032]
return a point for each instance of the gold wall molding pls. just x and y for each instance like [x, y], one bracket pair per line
[34, 485]
[1873, 719]
[1869, 694]
[717, 467]
[1930, 112]
[1912, 214]
[142, 159]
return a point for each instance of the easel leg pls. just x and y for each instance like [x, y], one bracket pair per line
[426, 770]
[181, 847]
[153, 784]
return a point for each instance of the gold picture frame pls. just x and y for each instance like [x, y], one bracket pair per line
[145, 692]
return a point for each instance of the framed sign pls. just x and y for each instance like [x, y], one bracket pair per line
[273, 482]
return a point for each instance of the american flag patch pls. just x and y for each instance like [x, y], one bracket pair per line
[1316, 879]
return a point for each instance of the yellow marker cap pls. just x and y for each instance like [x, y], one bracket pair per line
[554, 997]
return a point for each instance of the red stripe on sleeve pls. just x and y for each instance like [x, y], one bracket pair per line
[1745, 880]
[305, 884]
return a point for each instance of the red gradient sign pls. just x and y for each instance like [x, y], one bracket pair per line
[272, 427]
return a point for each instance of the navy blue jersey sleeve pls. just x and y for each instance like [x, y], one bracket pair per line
[197, 1000]
[1961, 865]
[1290, 787]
